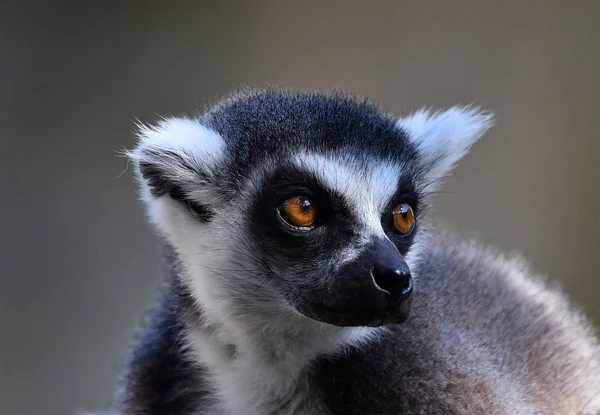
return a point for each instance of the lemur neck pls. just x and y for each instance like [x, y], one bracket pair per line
[242, 327]
[265, 369]
[257, 358]
[281, 339]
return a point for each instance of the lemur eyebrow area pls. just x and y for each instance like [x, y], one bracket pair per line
[299, 211]
[404, 218]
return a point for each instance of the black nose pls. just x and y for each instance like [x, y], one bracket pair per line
[394, 279]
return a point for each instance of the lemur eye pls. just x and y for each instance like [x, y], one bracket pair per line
[299, 211]
[404, 219]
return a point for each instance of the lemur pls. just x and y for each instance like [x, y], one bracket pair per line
[304, 275]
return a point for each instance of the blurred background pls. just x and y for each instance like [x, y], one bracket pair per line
[79, 264]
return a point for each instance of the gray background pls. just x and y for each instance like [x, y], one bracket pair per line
[78, 262]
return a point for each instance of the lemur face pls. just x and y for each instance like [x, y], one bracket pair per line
[333, 232]
[304, 205]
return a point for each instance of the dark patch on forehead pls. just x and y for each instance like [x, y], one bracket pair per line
[275, 124]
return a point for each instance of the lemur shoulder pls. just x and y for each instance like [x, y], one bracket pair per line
[304, 276]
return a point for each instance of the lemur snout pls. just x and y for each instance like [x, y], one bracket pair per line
[395, 279]
[372, 290]
[390, 272]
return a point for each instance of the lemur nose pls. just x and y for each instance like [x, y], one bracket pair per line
[396, 280]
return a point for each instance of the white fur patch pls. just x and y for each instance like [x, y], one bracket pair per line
[368, 187]
[185, 137]
[442, 138]
[173, 146]
[253, 381]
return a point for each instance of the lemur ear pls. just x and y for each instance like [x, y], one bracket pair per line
[443, 138]
[178, 157]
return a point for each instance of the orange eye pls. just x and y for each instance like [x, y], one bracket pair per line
[404, 218]
[299, 211]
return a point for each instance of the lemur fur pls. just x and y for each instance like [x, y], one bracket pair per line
[258, 316]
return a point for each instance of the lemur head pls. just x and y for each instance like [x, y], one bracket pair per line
[299, 205]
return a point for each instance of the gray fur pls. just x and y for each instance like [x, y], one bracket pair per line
[231, 335]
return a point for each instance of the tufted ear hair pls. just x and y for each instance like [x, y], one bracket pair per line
[177, 158]
[443, 138]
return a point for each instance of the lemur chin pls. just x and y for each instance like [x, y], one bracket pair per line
[304, 277]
